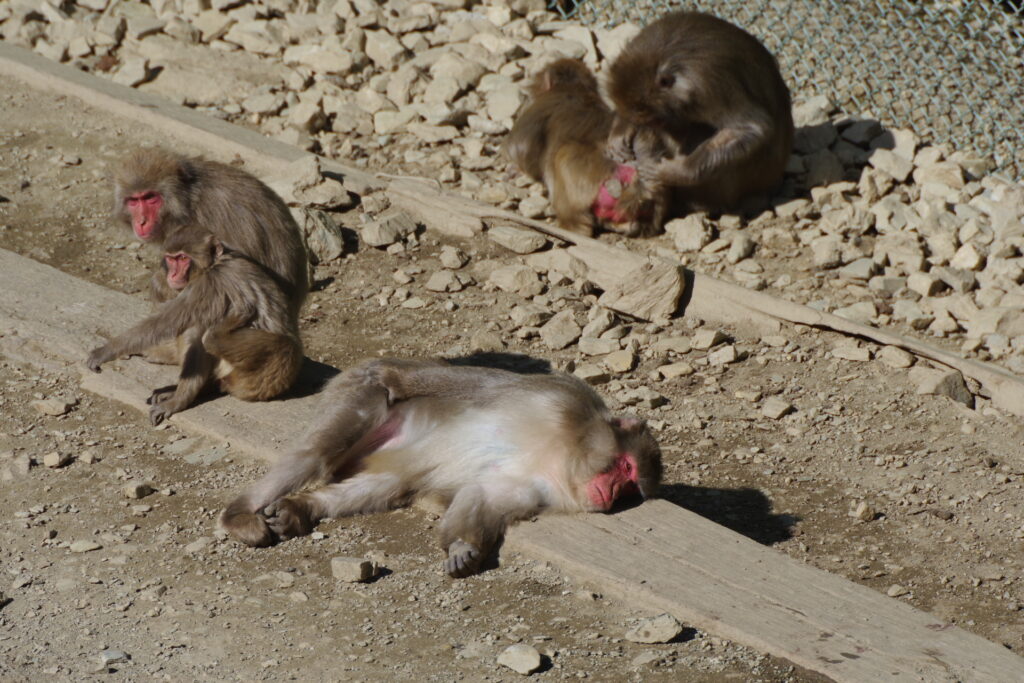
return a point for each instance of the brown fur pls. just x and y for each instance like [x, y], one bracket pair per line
[497, 445]
[715, 97]
[241, 211]
[231, 322]
[559, 139]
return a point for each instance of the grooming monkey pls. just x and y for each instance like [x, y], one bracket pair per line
[497, 445]
[231, 321]
[715, 98]
[157, 193]
[560, 139]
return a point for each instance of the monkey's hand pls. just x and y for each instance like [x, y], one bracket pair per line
[98, 357]
[464, 559]
[620, 142]
[288, 518]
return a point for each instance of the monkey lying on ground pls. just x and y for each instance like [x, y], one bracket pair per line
[157, 193]
[560, 139]
[232, 324]
[714, 96]
[497, 445]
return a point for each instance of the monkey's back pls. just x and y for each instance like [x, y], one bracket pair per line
[732, 78]
[222, 195]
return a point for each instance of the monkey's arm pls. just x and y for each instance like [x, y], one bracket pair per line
[478, 516]
[197, 306]
[729, 146]
[405, 379]
[196, 370]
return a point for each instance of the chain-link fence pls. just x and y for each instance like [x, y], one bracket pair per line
[952, 70]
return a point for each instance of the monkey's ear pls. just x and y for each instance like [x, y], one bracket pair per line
[216, 247]
[628, 423]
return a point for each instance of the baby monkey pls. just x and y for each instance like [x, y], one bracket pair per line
[560, 140]
[497, 445]
[231, 320]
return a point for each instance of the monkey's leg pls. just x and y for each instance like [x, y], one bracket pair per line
[163, 354]
[478, 516]
[351, 408]
[296, 515]
[259, 364]
[196, 370]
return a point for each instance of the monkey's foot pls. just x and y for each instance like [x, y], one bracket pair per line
[160, 395]
[288, 518]
[464, 559]
[248, 528]
[98, 357]
[159, 412]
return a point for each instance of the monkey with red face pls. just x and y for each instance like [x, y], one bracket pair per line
[157, 193]
[498, 446]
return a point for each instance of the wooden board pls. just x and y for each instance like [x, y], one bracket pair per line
[702, 573]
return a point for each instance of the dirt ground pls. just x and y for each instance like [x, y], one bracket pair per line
[184, 604]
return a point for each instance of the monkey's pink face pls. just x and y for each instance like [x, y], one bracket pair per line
[144, 208]
[621, 479]
[178, 266]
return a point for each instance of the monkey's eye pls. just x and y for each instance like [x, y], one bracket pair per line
[666, 80]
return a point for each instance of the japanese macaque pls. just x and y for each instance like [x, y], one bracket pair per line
[714, 96]
[496, 445]
[231, 320]
[560, 139]
[157, 193]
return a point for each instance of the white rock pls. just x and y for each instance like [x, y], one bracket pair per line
[895, 165]
[84, 546]
[661, 629]
[924, 284]
[849, 352]
[742, 247]
[517, 240]
[136, 490]
[353, 569]
[620, 361]
[453, 257]
[134, 71]
[561, 331]
[862, 311]
[674, 370]
[521, 658]
[705, 339]
[942, 383]
[895, 357]
[776, 407]
[593, 346]
[56, 460]
[692, 233]
[724, 356]
[384, 49]
[520, 279]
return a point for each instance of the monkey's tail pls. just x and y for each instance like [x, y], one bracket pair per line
[255, 365]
